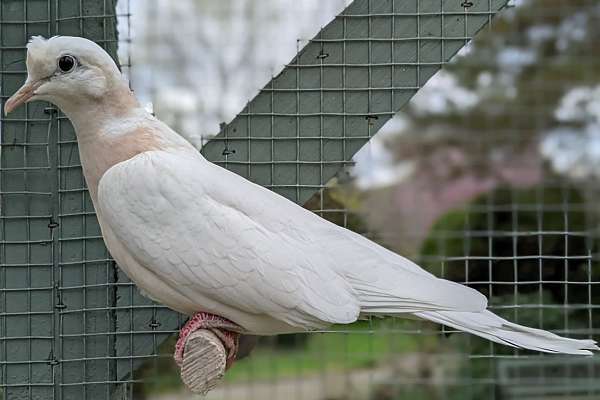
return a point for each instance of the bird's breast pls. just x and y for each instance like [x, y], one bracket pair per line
[101, 152]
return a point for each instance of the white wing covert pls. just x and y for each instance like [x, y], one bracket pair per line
[174, 216]
[207, 231]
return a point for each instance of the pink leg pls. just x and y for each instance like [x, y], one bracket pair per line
[224, 329]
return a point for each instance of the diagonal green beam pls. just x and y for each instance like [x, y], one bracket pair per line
[341, 88]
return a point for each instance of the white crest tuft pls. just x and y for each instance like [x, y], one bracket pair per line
[36, 43]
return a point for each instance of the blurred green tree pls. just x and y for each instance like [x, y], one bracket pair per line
[518, 108]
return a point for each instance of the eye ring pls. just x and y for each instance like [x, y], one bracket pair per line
[67, 63]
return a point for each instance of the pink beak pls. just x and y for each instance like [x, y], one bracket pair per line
[22, 96]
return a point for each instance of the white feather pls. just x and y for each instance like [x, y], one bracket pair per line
[492, 327]
[207, 232]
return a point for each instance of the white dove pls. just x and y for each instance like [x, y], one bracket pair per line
[201, 239]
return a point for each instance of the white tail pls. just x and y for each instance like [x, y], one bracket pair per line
[490, 326]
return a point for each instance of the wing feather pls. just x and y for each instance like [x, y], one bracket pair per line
[169, 212]
[209, 231]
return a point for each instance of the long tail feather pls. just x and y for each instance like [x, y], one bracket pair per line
[490, 326]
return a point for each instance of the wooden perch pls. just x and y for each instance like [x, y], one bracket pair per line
[207, 346]
[204, 361]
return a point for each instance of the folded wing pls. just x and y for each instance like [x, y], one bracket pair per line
[202, 228]
[163, 209]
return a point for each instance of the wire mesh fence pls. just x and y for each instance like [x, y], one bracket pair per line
[488, 202]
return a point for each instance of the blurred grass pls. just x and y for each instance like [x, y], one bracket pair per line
[364, 344]
[361, 345]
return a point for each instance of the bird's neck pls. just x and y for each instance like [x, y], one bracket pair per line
[89, 114]
[112, 133]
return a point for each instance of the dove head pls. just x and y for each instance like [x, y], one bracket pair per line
[71, 72]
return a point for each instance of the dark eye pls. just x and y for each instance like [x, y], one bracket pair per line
[67, 63]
